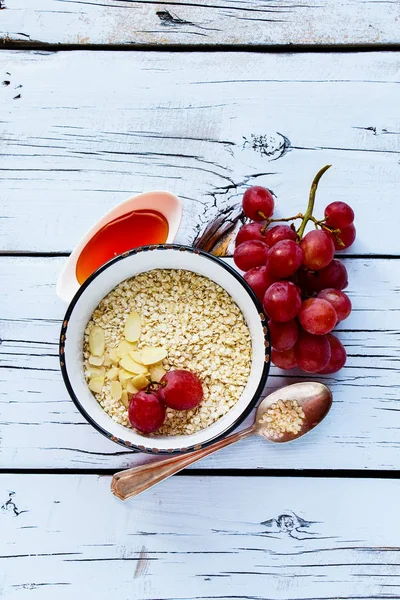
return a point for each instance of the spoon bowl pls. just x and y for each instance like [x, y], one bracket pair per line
[313, 399]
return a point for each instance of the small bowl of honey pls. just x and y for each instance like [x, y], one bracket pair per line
[142, 220]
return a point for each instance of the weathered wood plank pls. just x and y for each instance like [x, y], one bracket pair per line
[88, 129]
[40, 427]
[251, 22]
[208, 538]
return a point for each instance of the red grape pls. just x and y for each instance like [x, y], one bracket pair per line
[332, 276]
[338, 355]
[339, 300]
[282, 301]
[284, 258]
[146, 412]
[180, 389]
[251, 231]
[306, 280]
[318, 249]
[252, 253]
[283, 335]
[339, 215]
[285, 359]
[347, 236]
[258, 200]
[317, 316]
[312, 352]
[278, 233]
[259, 279]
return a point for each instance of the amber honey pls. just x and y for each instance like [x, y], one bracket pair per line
[136, 228]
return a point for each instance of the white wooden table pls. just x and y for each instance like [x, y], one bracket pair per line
[102, 99]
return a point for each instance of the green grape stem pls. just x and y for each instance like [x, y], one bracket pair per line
[308, 215]
[269, 221]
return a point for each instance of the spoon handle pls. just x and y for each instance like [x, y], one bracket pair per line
[132, 482]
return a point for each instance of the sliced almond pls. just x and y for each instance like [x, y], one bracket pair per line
[112, 374]
[95, 371]
[123, 375]
[151, 355]
[130, 388]
[140, 382]
[124, 348]
[116, 390]
[96, 384]
[112, 353]
[157, 372]
[136, 356]
[96, 341]
[130, 365]
[107, 360]
[132, 327]
[125, 398]
[97, 361]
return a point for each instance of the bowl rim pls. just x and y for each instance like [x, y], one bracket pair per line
[263, 376]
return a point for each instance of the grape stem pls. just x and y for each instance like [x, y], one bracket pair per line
[325, 227]
[320, 223]
[153, 386]
[308, 215]
[269, 221]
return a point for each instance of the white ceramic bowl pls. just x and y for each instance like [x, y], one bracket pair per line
[101, 283]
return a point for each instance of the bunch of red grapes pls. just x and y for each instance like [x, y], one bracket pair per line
[296, 277]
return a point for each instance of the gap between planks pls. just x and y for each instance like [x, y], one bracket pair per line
[21, 254]
[206, 48]
[292, 473]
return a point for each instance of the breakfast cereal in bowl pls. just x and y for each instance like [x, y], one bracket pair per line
[158, 322]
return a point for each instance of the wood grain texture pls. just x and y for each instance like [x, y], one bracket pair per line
[261, 22]
[81, 131]
[207, 538]
[40, 427]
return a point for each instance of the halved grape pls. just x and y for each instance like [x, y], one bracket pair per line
[283, 335]
[339, 215]
[285, 359]
[284, 258]
[317, 316]
[258, 203]
[252, 253]
[312, 352]
[338, 355]
[339, 300]
[278, 233]
[282, 301]
[318, 249]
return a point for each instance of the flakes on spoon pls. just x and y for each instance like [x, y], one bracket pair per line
[284, 416]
